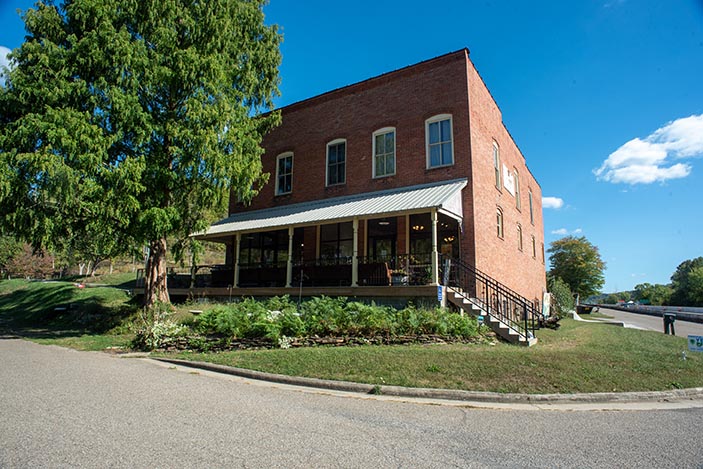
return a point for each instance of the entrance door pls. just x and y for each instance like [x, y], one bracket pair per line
[383, 248]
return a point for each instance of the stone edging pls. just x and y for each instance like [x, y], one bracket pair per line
[448, 394]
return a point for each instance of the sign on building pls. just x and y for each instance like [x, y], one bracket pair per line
[509, 180]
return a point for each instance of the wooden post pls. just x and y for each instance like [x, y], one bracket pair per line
[289, 266]
[237, 242]
[435, 254]
[355, 254]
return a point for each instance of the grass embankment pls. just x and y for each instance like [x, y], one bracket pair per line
[59, 312]
[579, 357]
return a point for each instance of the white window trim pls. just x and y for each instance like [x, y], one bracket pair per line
[431, 120]
[278, 158]
[530, 200]
[518, 202]
[383, 131]
[500, 227]
[327, 161]
[497, 166]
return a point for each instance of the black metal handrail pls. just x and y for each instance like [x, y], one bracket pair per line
[497, 299]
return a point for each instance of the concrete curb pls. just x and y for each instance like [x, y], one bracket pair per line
[445, 394]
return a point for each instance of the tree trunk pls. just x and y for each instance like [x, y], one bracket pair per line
[156, 289]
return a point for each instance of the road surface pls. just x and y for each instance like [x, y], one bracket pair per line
[652, 323]
[62, 408]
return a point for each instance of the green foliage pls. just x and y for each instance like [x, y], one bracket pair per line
[562, 298]
[123, 123]
[577, 262]
[656, 294]
[687, 283]
[277, 319]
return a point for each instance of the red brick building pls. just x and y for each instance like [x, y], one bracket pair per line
[375, 184]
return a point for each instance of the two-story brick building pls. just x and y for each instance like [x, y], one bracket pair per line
[373, 185]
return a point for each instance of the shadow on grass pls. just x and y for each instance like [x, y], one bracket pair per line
[59, 309]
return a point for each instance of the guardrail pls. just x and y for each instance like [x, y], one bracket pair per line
[683, 313]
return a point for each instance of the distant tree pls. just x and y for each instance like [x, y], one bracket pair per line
[686, 284]
[562, 298]
[577, 262]
[137, 116]
[611, 299]
[9, 248]
[656, 294]
[31, 264]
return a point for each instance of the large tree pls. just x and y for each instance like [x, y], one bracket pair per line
[687, 283]
[577, 262]
[137, 115]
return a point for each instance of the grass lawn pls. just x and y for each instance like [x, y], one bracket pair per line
[579, 357]
[93, 319]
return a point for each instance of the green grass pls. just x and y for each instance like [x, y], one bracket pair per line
[579, 357]
[94, 316]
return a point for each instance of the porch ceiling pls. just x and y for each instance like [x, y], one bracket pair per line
[445, 196]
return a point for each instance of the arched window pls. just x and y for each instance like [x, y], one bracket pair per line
[529, 197]
[496, 164]
[519, 237]
[439, 137]
[384, 152]
[284, 173]
[534, 248]
[336, 162]
[518, 204]
[499, 222]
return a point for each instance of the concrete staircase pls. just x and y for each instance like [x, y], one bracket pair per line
[502, 327]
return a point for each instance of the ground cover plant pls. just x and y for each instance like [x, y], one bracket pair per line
[279, 322]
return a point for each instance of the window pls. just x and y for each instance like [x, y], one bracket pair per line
[496, 164]
[438, 130]
[534, 248]
[336, 162]
[284, 174]
[499, 222]
[519, 237]
[336, 242]
[384, 152]
[529, 197]
[518, 205]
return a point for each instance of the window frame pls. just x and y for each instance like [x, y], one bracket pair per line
[497, 167]
[500, 223]
[520, 244]
[534, 247]
[530, 199]
[379, 132]
[335, 142]
[518, 203]
[287, 154]
[432, 120]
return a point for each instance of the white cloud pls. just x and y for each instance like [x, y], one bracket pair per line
[648, 160]
[552, 202]
[565, 232]
[4, 63]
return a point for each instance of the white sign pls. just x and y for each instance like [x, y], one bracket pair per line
[695, 343]
[508, 180]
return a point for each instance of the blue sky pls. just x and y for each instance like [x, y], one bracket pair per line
[603, 97]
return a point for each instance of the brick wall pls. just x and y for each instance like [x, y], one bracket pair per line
[405, 99]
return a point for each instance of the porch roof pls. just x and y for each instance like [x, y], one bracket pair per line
[444, 195]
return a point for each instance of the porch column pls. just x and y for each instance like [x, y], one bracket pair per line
[289, 266]
[355, 254]
[435, 254]
[237, 242]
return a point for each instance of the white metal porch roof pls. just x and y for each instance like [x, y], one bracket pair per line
[445, 196]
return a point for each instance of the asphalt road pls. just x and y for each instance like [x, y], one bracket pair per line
[62, 408]
[652, 323]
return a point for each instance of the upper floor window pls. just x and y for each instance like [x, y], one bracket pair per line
[336, 162]
[384, 152]
[529, 199]
[440, 151]
[284, 174]
[534, 248]
[518, 204]
[496, 164]
[499, 222]
[519, 237]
